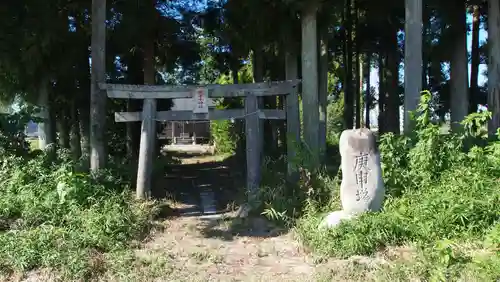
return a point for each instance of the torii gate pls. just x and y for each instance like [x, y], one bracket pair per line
[251, 113]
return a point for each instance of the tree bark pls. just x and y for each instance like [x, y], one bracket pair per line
[474, 72]
[392, 75]
[291, 73]
[133, 131]
[266, 140]
[458, 69]
[97, 97]
[45, 136]
[368, 96]
[310, 80]
[381, 93]
[360, 86]
[413, 59]
[234, 72]
[494, 65]
[239, 124]
[75, 145]
[323, 89]
[64, 129]
[425, 46]
[135, 75]
[148, 129]
[83, 104]
[84, 121]
[357, 70]
[348, 86]
[258, 65]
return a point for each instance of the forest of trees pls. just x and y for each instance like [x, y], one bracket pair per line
[46, 51]
[70, 210]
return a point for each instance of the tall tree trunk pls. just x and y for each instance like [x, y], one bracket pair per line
[147, 141]
[135, 75]
[258, 65]
[266, 140]
[292, 73]
[357, 70]
[310, 103]
[84, 121]
[381, 92]
[83, 106]
[45, 136]
[368, 95]
[348, 88]
[234, 72]
[76, 149]
[97, 97]
[53, 124]
[425, 47]
[474, 72]
[64, 129]
[360, 86]
[458, 68]
[413, 59]
[494, 65]
[133, 131]
[392, 76]
[323, 88]
[239, 124]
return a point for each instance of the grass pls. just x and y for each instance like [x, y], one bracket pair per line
[54, 218]
[440, 220]
[442, 198]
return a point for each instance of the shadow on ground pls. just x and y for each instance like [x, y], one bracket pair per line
[228, 228]
[183, 182]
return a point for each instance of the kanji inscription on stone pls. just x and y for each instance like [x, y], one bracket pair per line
[361, 171]
[362, 188]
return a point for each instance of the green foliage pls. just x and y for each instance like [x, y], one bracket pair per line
[438, 195]
[52, 217]
[285, 202]
[224, 140]
[225, 132]
[12, 128]
[335, 122]
[335, 107]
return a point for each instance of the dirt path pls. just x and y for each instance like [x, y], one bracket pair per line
[213, 250]
[228, 249]
[196, 174]
[222, 247]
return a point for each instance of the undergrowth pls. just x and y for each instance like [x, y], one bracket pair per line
[52, 217]
[442, 193]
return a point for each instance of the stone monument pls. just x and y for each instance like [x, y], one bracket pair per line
[362, 188]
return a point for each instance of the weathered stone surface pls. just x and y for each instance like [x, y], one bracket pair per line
[362, 187]
[334, 218]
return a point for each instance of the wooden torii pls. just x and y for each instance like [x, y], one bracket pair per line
[251, 113]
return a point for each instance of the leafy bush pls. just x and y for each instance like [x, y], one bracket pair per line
[437, 191]
[223, 137]
[224, 133]
[12, 136]
[334, 121]
[52, 217]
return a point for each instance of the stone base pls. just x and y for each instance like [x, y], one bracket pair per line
[334, 218]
